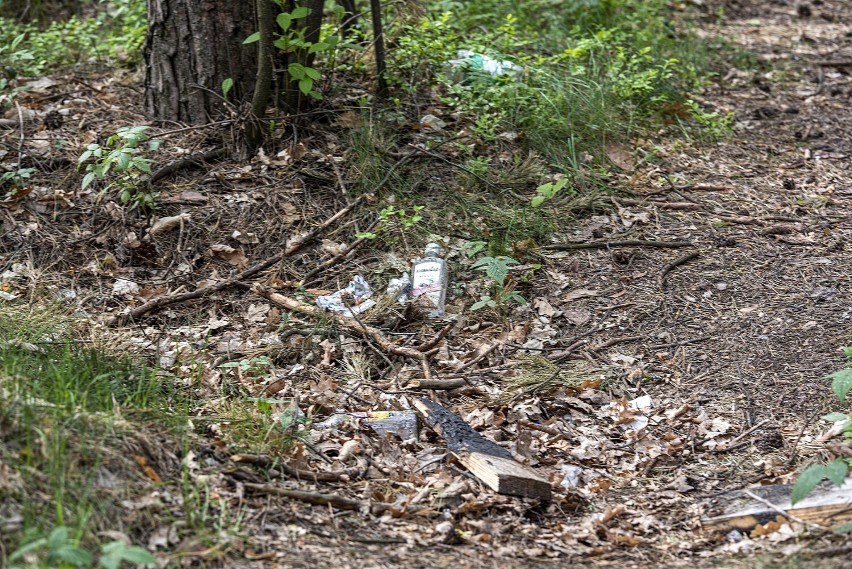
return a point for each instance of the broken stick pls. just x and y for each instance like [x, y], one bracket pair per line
[661, 280]
[368, 332]
[294, 247]
[612, 244]
[487, 460]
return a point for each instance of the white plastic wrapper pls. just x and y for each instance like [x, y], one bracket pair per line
[358, 289]
[472, 61]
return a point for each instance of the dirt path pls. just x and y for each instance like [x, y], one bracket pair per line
[736, 341]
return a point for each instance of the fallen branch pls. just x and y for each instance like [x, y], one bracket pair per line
[437, 384]
[426, 346]
[485, 459]
[661, 280]
[612, 244]
[368, 332]
[661, 205]
[265, 461]
[615, 341]
[294, 247]
[836, 63]
[199, 159]
[317, 499]
[734, 443]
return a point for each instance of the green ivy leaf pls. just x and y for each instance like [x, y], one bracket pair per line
[296, 71]
[284, 21]
[842, 383]
[312, 73]
[836, 471]
[300, 12]
[138, 555]
[227, 85]
[537, 201]
[806, 482]
[87, 179]
[834, 417]
[73, 555]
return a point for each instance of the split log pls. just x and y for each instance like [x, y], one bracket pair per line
[485, 459]
[828, 506]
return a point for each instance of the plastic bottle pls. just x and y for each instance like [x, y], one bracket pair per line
[429, 276]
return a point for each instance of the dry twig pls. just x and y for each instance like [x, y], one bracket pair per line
[613, 244]
[368, 332]
[294, 247]
[661, 280]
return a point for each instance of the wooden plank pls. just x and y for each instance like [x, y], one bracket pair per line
[828, 505]
[485, 459]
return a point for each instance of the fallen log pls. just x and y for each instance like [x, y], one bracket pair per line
[485, 459]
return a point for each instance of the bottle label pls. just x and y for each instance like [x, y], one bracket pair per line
[427, 280]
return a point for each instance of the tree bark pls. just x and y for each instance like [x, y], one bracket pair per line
[191, 48]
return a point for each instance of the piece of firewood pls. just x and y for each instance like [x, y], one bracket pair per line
[828, 506]
[485, 459]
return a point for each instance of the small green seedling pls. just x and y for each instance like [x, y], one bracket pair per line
[497, 269]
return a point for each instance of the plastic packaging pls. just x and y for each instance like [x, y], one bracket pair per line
[360, 292]
[399, 289]
[470, 61]
[429, 277]
[400, 423]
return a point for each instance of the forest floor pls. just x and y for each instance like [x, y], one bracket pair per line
[732, 345]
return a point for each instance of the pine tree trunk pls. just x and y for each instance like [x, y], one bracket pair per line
[191, 48]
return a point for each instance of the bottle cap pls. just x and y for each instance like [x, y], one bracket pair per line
[433, 248]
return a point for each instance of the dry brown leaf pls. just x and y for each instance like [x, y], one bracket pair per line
[233, 256]
[577, 316]
[580, 293]
[620, 155]
[149, 472]
[166, 224]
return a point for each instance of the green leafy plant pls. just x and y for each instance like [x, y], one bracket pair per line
[548, 191]
[18, 179]
[712, 125]
[497, 269]
[256, 367]
[390, 217]
[59, 549]
[122, 154]
[837, 470]
[290, 38]
[116, 552]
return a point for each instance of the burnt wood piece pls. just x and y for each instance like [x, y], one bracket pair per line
[485, 459]
[828, 506]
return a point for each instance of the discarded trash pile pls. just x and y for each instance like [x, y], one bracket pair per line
[399, 408]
